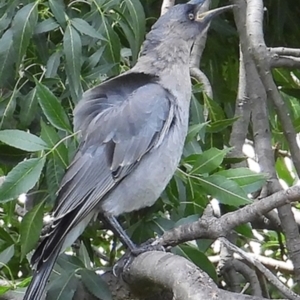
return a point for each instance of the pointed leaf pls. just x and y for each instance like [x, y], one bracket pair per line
[52, 108]
[52, 65]
[84, 27]
[30, 229]
[72, 49]
[7, 56]
[95, 284]
[209, 160]
[225, 190]
[220, 125]
[23, 26]
[29, 107]
[22, 140]
[59, 11]
[51, 137]
[46, 25]
[21, 178]
[54, 175]
[248, 180]
[194, 131]
[6, 255]
[63, 287]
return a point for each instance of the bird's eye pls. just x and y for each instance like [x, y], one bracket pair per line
[191, 16]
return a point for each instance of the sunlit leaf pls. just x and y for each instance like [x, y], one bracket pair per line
[23, 27]
[249, 180]
[52, 108]
[30, 229]
[21, 178]
[22, 140]
[72, 50]
[225, 190]
[209, 161]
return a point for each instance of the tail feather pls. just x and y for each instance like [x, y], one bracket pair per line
[36, 289]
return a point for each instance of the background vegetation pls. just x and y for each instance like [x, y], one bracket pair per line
[50, 52]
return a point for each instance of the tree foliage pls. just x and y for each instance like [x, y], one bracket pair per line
[53, 50]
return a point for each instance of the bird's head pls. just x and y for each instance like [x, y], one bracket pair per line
[185, 21]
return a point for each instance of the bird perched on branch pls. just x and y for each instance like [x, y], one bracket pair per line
[132, 132]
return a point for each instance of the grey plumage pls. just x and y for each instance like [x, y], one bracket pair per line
[132, 132]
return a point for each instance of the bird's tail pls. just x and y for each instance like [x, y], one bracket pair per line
[36, 289]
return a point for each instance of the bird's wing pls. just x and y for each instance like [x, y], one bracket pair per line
[120, 121]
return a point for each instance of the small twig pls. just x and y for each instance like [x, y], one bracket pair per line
[268, 274]
[285, 51]
[280, 61]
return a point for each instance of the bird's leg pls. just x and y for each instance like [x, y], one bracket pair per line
[119, 231]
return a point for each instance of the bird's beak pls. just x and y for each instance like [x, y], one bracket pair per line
[207, 16]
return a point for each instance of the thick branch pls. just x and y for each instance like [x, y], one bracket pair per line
[177, 274]
[214, 228]
[166, 5]
[260, 55]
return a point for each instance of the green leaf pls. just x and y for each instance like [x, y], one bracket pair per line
[209, 160]
[7, 56]
[215, 111]
[53, 65]
[245, 229]
[225, 190]
[220, 125]
[72, 49]
[69, 263]
[112, 50]
[248, 180]
[30, 229]
[198, 258]
[133, 25]
[283, 172]
[54, 175]
[58, 9]
[46, 25]
[194, 131]
[5, 236]
[84, 27]
[63, 287]
[6, 255]
[21, 178]
[22, 140]
[196, 111]
[29, 107]
[51, 137]
[23, 26]
[95, 284]
[52, 108]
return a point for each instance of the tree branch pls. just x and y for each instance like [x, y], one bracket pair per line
[213, 228]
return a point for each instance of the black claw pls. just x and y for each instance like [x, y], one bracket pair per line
[125, 261]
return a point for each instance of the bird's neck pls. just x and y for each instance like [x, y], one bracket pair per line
[158, 57]
[169, 61]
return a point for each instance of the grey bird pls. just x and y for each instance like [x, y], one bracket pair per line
[132, 132]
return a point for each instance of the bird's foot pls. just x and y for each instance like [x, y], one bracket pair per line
[125, 261]
[150, 245]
